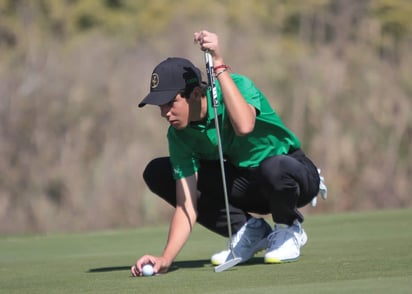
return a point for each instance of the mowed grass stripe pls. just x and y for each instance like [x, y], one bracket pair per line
[360, 252]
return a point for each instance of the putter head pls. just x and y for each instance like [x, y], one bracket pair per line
[227, 265]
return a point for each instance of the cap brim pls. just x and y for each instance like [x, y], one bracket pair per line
[158, 98]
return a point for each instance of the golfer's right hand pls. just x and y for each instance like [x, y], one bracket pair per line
[160, 265]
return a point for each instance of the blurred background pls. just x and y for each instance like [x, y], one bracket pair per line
[73, 143]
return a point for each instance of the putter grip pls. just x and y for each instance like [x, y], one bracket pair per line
[211, 78]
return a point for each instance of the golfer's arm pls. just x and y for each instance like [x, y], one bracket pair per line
[242, 115]
[183, 218]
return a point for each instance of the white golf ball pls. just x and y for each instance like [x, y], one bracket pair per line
[147, 270]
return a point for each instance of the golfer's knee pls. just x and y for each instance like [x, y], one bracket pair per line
[154, 171]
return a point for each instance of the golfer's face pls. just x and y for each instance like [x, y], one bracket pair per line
[176, 112]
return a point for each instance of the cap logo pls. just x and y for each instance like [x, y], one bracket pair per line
[154, 82]
[191, 81]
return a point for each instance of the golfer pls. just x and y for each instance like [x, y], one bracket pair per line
[265, 168]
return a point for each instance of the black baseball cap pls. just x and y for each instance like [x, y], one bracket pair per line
[169, 77]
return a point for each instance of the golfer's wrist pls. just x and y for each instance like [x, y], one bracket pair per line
[169, 254]
[218, 62]
[220, 69]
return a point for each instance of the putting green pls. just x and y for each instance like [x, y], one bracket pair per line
[362, 252]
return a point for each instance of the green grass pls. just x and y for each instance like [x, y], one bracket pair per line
[368, 252]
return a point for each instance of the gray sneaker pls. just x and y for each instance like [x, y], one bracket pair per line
[249, 240]
[285, 243]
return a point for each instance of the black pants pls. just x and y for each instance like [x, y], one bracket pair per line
[279, 186]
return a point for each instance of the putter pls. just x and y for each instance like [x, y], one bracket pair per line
[213, 96]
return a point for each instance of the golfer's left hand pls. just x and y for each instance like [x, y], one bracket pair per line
[209, 41]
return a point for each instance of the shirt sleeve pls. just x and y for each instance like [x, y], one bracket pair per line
[249, 91]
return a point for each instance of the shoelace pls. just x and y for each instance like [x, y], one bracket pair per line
[240, 235]
[279, 236]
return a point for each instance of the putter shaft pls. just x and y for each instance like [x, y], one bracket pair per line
[213, 92]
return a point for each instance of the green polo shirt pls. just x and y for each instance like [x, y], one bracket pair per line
[199, 140]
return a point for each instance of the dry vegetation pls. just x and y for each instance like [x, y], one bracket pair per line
[73, 143]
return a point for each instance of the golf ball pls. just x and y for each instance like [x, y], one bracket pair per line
[147, 270]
